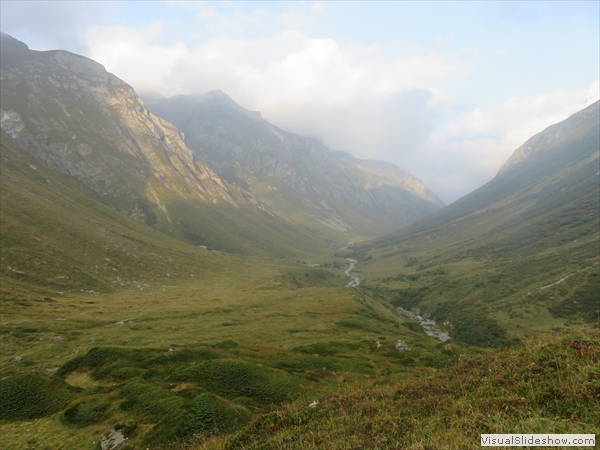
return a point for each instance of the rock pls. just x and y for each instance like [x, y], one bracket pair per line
[114, 440]
[448, 347]
[402, 346]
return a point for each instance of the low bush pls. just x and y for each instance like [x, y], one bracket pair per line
[86, 413]
[232, 379]
[32, 396]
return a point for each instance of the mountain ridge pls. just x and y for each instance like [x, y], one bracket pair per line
[241, 146]
[78, 119]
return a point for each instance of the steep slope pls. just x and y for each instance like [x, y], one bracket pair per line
[57, 237]
[78, 119]
[295, 175]
[541, 388]
[517, 255]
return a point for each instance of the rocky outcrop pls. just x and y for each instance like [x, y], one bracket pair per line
[69, 112]
[113, 440]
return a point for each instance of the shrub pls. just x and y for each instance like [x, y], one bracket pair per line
[85, 413]
[206, 416]
[231, 379]
[227, 345]
[30, 397]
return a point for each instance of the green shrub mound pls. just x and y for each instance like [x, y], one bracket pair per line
[227, 345]
[150, 403]
[231, 379]
[86, 413]
[205, 416]
[122, 364]
[25, 397]
[208, 415]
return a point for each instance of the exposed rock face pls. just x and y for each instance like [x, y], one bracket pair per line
[345, 192]
[68, 111]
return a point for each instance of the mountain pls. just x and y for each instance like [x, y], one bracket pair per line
[119, 322]
[58, 238]
[295, 175]
[78, 119]
[517, 255]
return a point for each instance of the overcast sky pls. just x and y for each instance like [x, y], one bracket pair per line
[446, 90]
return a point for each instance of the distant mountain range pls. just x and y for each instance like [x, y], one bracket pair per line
[285, 198]
[293, 173]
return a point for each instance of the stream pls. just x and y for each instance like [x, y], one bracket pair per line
[355, 280]
[429, 326]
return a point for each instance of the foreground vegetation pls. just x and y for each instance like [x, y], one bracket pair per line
[548, 386]
[239, 343]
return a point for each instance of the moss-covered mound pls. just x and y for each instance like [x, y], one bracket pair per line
[31, 396]
[231, 379]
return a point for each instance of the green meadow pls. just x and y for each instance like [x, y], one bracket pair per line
[247, 336]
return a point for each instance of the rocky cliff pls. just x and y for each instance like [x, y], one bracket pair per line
[77, 118]
[345, 192]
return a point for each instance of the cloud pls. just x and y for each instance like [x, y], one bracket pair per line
[362, 99]
[469, 151]
[50, 25]
[130, 54]
[356, 98]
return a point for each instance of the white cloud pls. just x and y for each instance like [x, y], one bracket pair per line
[471, 149]
[129, 54]
[346, 95]
[363, 99]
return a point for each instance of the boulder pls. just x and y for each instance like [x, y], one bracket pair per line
[402, 346]
[114, 440]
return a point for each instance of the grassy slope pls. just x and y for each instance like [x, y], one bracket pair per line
[517, 256]
[77, 275]
[548, 386]
[64, 239]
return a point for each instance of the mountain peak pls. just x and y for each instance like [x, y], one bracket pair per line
[7, 41]
[217, 93]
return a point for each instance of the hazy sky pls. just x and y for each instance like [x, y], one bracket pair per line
[447, 90]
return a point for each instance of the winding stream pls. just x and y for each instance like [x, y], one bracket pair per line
[429, 326]
[355, 280]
